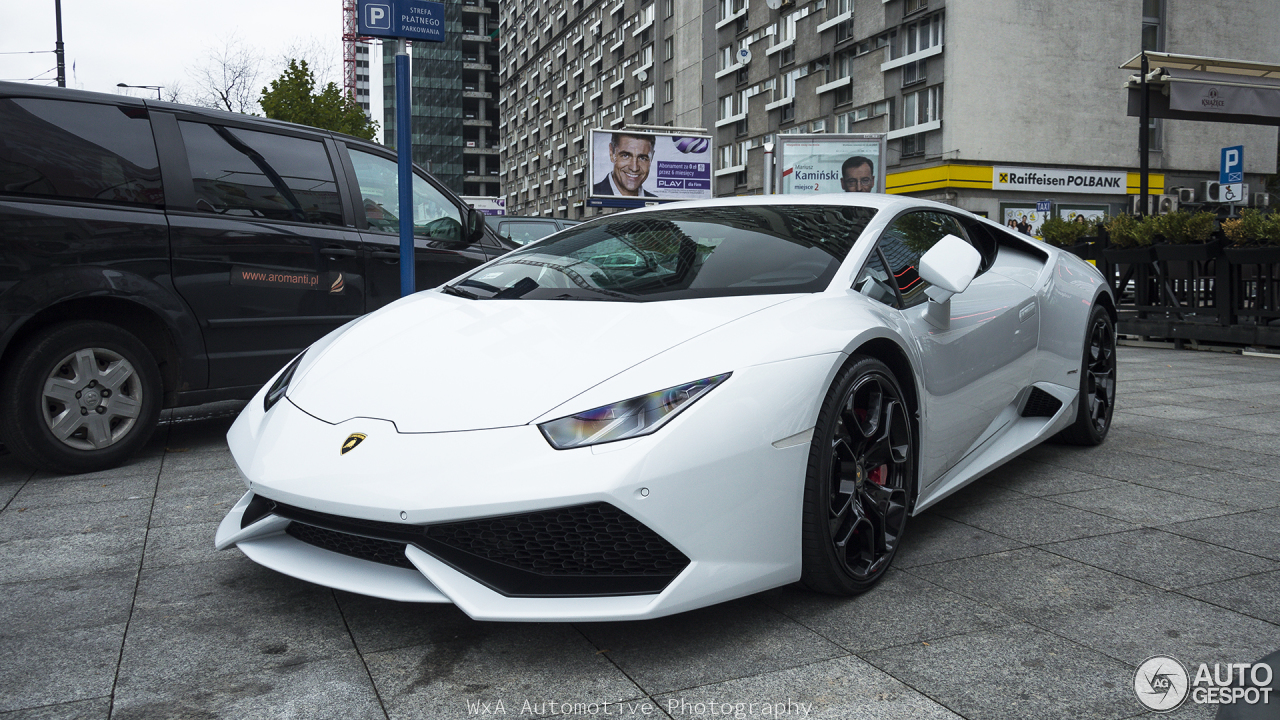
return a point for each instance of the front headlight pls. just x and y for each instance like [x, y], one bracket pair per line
[281, 385]
[627, 419]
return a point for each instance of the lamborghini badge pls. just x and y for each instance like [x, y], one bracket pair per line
[352, 441]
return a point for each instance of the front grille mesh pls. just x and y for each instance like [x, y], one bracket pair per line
[596, 540]
[584, 550]
[385, 552]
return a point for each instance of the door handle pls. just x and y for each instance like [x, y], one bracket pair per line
[339, 252]
[385, 256]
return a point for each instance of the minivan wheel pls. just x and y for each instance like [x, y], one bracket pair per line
[79, 397]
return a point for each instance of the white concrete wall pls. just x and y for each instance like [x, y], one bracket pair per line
[1248, 30]
[687, 65]
[1019, 88]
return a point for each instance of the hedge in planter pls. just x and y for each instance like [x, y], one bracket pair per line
[1187, 237]
[1130, 240]
[1074, 237]
[1254, 238]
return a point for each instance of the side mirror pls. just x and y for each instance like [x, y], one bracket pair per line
[475, 225]
[949, 267]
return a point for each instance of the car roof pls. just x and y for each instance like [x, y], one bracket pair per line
[57, 93]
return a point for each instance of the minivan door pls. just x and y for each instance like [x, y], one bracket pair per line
[262, 256]
[439, 250]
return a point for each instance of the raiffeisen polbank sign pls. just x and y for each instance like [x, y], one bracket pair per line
[1102, 182]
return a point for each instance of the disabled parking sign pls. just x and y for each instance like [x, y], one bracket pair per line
[1231, 174]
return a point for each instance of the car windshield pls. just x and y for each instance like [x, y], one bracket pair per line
[677, 254]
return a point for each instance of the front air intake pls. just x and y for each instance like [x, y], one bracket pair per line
[1041, 404]
[577, 551]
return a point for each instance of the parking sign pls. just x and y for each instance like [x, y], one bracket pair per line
[1231, 170]
[1231, 174]
[377, 16]
[408, 19]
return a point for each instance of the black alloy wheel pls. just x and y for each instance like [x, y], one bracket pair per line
[861, 472]
[1097, 383]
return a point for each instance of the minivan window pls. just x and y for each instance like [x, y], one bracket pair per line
[247, 173]
[433, 215]
[78, 151]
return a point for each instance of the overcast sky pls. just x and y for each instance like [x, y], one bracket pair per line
[149, 42]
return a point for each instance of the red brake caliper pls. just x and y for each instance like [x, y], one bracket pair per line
[879, 475]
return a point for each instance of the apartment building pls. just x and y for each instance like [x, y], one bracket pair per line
[454, 99]
[962, 88]
[362, 78]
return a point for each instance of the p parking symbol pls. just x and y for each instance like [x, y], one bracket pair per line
[377, 17]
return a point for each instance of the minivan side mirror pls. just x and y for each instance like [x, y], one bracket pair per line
[949, 266]
[475, 225]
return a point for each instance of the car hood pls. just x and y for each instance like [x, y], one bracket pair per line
[437, 363]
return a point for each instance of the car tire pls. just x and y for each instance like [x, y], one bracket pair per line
[1097, 399]
[79, 397]
[862, 465]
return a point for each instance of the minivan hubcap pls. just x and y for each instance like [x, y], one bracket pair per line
[91, 399]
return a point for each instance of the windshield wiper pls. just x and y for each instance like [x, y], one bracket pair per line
[455, 290]
[482, 285]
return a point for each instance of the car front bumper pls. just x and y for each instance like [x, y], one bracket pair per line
[722, 484]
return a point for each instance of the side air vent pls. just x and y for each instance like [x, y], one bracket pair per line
[1041, 404]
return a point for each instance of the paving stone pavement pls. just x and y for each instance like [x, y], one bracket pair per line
[1034, 593]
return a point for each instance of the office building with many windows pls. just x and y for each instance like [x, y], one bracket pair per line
[454, 97]
[962, 88]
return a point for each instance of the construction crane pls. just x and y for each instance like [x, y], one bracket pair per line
[350, 37]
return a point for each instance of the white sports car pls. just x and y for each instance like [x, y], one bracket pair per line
[672, 407]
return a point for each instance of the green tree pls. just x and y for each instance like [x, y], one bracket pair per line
[292, 97]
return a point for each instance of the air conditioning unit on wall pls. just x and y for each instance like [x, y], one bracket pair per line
[1185, 194]
[1260, 200]
[1156, 204]
[1210, 191]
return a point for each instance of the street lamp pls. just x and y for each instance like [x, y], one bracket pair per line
[144, 87]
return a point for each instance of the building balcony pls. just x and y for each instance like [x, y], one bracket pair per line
[476, 122]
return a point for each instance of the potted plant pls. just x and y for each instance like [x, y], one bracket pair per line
[1074, 237]
[1131, 239]
[1254, 238]
[1186, 236]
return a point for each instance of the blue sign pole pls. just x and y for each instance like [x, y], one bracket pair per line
[403, 19]
[404, 158]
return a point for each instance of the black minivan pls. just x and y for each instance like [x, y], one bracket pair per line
[155, 255]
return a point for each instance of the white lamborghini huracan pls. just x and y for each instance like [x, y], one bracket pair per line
[671, 407]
